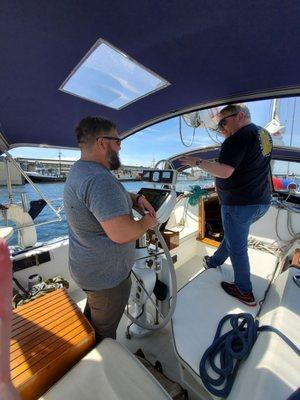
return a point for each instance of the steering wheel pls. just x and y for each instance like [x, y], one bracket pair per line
[167, 162]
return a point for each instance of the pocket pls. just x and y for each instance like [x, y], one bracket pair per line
[261, 211]
[98, 300]
[243, 214]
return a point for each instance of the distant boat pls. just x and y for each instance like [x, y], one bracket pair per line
[44, 176]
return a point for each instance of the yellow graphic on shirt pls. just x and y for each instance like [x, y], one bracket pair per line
[265, 142]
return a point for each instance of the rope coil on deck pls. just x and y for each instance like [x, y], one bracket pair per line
[230, 349]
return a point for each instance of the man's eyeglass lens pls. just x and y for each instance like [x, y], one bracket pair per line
[118, 141]
[222, 122]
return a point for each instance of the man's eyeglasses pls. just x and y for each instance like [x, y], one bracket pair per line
[118, 140]
[222, 121]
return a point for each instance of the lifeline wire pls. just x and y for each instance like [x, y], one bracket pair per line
[207, 131]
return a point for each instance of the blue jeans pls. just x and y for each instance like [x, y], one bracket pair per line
[236, 224]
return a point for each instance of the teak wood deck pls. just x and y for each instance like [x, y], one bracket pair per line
[49, 335]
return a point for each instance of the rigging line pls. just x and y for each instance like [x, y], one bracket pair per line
[180, 133]
[290, 225]
[276, 226]
[280, 258]
[281, 207]
[207, 131]
[217, 137]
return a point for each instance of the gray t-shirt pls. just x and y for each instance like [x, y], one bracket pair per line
[92, 194]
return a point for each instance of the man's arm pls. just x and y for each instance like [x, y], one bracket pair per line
[217, 169]
[142, 203]
[124, 229]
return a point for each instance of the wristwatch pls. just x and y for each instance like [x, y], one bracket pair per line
[199, 162]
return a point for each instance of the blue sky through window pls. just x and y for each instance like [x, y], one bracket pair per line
[109, 77]
[162, 140]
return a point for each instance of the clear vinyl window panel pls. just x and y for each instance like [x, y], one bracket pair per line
[285, 172]
[109, 77]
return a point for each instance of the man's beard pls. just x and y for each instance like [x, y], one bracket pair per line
[113, 160]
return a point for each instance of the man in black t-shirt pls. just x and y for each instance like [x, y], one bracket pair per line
[242, 182]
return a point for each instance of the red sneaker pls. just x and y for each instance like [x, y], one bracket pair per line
[232, 290]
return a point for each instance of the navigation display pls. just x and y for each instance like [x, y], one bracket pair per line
[159, 176]
[156, 197]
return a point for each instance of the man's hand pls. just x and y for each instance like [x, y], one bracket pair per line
[189, 160]
[144, 205]
[217, 169]
[125, 229]
[149, 221]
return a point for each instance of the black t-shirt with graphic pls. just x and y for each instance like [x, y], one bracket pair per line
[248, 151]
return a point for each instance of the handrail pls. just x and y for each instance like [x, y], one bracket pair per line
[23, 173]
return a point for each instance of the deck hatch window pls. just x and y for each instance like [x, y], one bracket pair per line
[109, 77]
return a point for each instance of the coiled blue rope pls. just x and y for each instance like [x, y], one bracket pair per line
[230, 349]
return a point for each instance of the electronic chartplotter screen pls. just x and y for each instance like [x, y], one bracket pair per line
[156, 197]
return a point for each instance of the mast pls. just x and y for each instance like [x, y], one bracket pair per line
[276, 109]
[274, 127]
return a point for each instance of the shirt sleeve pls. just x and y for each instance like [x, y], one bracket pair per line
[233, 150]
[105, 198]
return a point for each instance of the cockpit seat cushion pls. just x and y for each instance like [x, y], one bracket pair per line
[282, 306]
[202, 303]
[111, 372]
[271, 371]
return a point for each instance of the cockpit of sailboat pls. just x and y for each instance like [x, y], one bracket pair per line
[140, 64]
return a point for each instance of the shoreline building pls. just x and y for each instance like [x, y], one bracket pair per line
[7, 167]
[60, 167]
[57, 168]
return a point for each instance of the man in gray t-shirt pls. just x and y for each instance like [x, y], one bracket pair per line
[102, 230]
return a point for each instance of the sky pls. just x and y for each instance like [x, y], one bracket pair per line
[162, 140]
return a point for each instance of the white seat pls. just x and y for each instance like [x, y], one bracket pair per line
[271, 371]
[108, 372]
[282, 306]
[202, 303]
